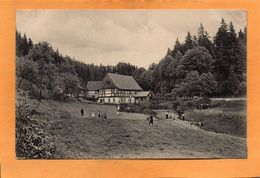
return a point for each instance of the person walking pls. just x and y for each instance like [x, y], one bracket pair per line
[151, 120]
[82, 112]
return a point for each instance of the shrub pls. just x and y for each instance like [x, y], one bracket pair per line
[232, 103]
[242, 88]
[31, 140]
[65, 114]
[144, 108]
[161, 104]
[92, 99]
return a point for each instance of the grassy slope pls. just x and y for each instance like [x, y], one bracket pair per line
[130, 136]
[228, 120]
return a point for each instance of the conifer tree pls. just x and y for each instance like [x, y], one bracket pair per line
[222, 54]
[204, 40]
[177, 47]
[188, 44]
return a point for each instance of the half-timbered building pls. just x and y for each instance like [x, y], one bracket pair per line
[93, 88]
[118, 89]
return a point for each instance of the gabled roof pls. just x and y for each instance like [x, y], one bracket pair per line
[142, 94]
[94, 85]
[124, 82]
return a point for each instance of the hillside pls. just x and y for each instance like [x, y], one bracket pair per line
[128, 135]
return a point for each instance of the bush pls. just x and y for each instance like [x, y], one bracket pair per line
[92, 99]
[242, 88]
[65, 114]
[31, 140]
[144, 108]
[232, 103]
[161, 104]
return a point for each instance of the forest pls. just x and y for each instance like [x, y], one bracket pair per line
[201, 65]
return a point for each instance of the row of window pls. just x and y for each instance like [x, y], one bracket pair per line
[126, 95]
[113, 100]
[109, 100]
[115, 91]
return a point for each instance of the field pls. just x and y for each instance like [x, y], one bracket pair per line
[128, 135]
[228, 118]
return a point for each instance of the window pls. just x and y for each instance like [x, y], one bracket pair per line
[113, 92]
[109, 100]
[114, 100]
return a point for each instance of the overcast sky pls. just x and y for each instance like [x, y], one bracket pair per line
[139, 37]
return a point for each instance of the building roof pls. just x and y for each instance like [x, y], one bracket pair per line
[94, 85]
[142, 94]
[124, 82]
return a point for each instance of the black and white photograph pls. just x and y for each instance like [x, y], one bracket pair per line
[131, 84]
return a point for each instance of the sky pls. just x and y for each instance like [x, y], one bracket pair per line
[107, 37]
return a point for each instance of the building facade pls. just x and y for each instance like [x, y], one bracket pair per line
[118, 89]
[144, 96]
[93, 88]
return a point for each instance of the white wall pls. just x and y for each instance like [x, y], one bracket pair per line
[117, 100]
[92, 93]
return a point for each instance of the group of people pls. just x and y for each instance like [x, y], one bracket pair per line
[150, 118]
[169, 116]
[93, 114]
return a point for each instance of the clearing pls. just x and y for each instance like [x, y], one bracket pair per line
[128, 135]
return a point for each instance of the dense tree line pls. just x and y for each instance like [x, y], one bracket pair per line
[200, 66]
[45, 73]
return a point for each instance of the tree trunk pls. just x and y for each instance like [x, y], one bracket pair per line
[31, 86]
[19, 84]
[40, 96]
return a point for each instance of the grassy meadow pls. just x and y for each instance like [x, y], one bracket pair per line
[128, 135]
[227, 117]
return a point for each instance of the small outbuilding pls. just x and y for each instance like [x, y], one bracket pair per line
[93, 88]
[143, 96]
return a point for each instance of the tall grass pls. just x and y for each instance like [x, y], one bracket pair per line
[221, 120]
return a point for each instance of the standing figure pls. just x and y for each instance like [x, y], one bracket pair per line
[151, 120]
[183, 117]
[82, 111]
[118, 110]
[167, 115]
[99, 114]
